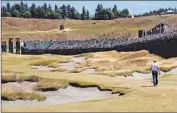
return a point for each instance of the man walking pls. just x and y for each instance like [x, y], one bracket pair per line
[155, 72]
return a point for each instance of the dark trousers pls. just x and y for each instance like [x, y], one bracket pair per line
[155, 77]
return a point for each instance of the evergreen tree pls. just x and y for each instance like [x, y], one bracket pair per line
[87, 15]
[49, 8]
[115, 11]
[124, 13]
[98, 11]
[17, 7]
[21, 7]
[83, 15]
[7, 14]
[39, 12]
[57, 16]
[26, 7]
[110, 14]
[69, 11]
[15, 13]
[63, 12]
[27, 14]
[8, 7]
[3, 10]
[74, 14]
[24, 10]
[56, 8]
[45, 7]
[33, 11]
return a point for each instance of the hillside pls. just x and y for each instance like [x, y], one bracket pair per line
[77, 29]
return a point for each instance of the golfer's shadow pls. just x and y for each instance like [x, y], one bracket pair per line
[148, 85]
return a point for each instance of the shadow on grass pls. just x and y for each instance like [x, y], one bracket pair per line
[147, 86]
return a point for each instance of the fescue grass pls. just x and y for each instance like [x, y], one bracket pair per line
[50, 84]
[9, 71]
[167, 68]
[59, 69]
[86, 55]
[51, 63]
[123, 90]
[16, 94]
[8, 78]
[18, 78]
[75, 70]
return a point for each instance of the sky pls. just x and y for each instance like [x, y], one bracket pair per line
[134, 7]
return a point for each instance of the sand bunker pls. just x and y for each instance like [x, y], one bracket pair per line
[69, 65]
[78, 59]
[25, 86]
[88, 70]
[69, 94]
[73, 63]
[44, 68]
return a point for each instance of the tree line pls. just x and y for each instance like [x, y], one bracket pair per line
[43, 12]
[157, 12]
[46, 11]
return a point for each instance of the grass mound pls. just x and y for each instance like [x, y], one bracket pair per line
[14, 94]
[50, 85]
[45, 62]
[17, 78]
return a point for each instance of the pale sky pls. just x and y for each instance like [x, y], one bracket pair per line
[135, 7]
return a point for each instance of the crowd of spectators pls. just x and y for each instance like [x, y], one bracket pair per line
[106, 43]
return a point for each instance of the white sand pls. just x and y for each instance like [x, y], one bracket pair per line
[61, 96]
[73, 63]
[24, 86]
[43, 68]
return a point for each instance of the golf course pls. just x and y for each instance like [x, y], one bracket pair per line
[92, 81]
[109, 71]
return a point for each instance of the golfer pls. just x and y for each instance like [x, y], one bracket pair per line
[155, 72]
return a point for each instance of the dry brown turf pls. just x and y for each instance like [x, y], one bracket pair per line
[78, 29]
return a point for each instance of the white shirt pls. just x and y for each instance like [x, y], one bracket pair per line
[21, 44]
[155, 67]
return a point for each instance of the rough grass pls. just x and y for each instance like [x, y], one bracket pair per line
[122, 90]
[17, 78]
[59, 69]
[86, 55]
[115, 63]
[76, 70]
[43, 84]
[51, 63]
[167, 68]
[50, 84]
[17, 94]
